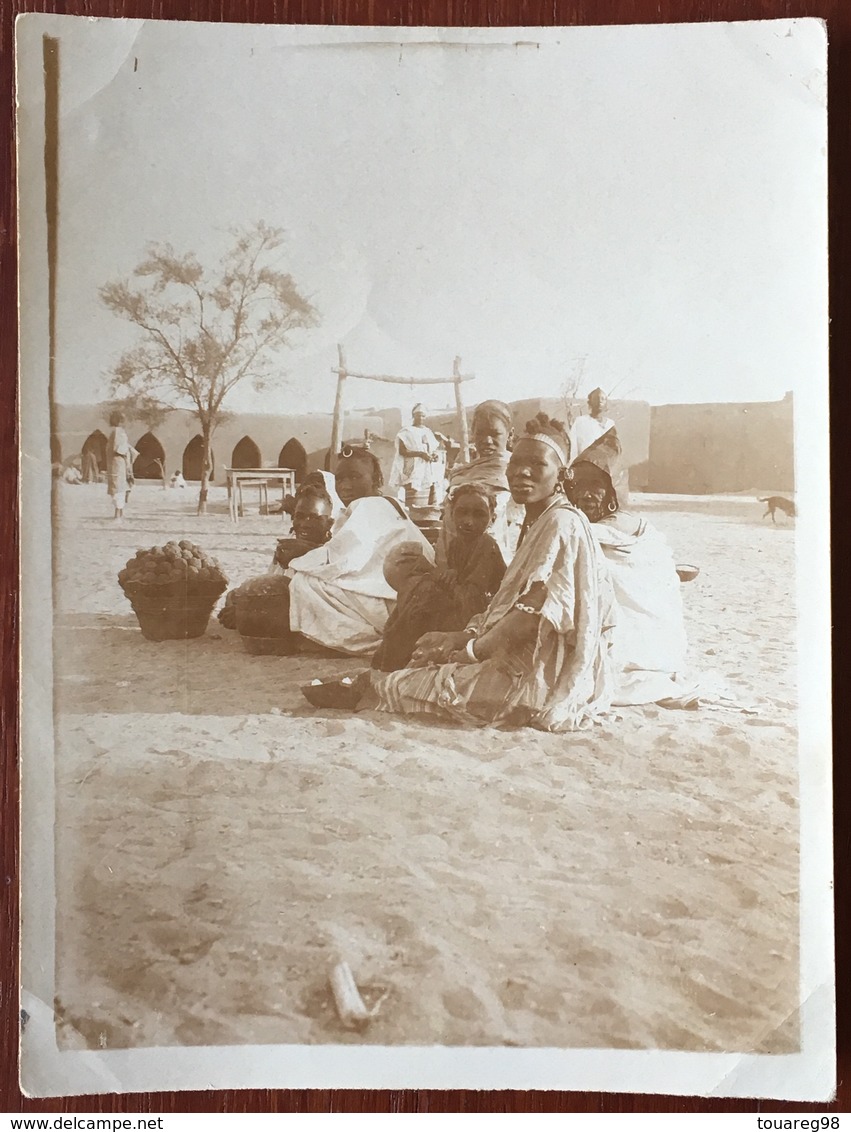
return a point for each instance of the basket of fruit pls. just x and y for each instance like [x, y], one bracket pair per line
[173, 590]
[262, 613]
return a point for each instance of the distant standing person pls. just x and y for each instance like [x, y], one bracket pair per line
[417, 466]
[587, 429]
[119, 464]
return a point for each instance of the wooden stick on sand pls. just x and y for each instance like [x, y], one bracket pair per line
[353, 1011]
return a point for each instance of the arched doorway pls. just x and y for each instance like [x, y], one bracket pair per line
[95, 446]
[192, 459]
[293, 455]
[150, 463]
[246, 454]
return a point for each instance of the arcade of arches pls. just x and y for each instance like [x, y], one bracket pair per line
[151, 462]
[246, 454]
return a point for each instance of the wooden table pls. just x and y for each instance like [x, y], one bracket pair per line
[262, 477]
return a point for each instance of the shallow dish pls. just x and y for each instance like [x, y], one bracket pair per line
[686, 572]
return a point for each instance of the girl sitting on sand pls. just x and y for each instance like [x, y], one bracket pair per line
[649, 643]
[428, 598]
[539, 654]
[492, 435]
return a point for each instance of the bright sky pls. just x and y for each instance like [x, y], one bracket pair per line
[646, 203]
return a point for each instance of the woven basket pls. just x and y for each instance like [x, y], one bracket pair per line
[265, 616]
[172, 611]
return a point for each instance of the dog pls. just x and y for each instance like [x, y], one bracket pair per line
[778, 503]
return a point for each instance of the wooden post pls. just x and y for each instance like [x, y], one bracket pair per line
[462, 416]
[337, 423]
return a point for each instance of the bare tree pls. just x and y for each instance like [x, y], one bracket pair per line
[570, 390]
[203, 332]
[622, 391]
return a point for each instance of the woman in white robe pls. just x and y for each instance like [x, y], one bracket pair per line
[338, 595]
[649, 641]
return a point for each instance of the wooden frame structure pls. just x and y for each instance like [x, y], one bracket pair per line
[457, 378]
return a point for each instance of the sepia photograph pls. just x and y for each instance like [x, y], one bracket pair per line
[425, 557]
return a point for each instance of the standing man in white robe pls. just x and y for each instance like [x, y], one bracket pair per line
[588, 428]
[418, 466]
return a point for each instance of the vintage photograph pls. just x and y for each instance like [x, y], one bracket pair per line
[425, 556]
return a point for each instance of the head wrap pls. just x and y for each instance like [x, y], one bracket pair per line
[481, 489]
[549, 432]
[545, 438]
[497, 409]
[604, 454]
[324, 481]
[418, 408]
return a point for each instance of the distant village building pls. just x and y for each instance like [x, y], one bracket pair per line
[243, 440]
[716, 448]
[680, 449]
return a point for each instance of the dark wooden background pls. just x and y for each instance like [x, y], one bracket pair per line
[837, 13]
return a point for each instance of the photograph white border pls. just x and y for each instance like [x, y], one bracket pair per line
[47, 1071]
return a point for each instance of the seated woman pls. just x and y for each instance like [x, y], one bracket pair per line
[312, 523]
[539, 654]
[338, 595]
[492, 434]
[442, 599]
[650, 639]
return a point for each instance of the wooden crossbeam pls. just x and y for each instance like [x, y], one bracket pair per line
[342, 373]
[404, 380]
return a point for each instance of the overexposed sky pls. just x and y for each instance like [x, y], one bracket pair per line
[646, 203]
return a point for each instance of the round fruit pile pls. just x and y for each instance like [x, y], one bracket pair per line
[177, 566]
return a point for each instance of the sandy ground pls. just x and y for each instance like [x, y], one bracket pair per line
[221, 844]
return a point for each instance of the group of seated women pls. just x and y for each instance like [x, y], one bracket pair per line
[541, 604]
